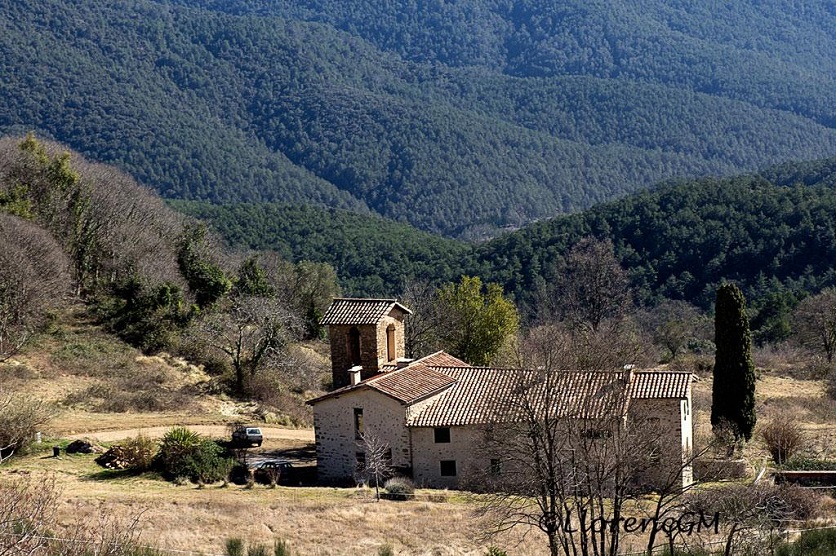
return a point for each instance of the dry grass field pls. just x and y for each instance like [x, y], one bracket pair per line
[108, 392]
[312, 520]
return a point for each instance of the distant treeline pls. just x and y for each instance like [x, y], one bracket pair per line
[774, 234]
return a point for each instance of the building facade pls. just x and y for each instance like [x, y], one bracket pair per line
[434, 413]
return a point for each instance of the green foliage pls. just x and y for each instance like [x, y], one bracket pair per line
[146, 317]
[234, 546]
[281, 548]
[184, 453]
[386, 550]
[733, 390]
[494, 551]
[461, 118]
[205, 278]
[809, 464]
[480, 320]
[252, 280]
[16, 201]
[352, 244]
[817, 542]
[774, 235]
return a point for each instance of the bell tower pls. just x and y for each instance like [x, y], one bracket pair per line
[368, 333]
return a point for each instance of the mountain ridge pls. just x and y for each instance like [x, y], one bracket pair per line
[275, 101]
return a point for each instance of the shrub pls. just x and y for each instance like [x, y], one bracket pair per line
[783, 437]
[280, 548]
[257, 550]
[184, 453]
[138, 453]
[809, 464]
[234, 546]
[820, 542]
[494, 551]
[399, 488]
[386, 550]
[20, 417]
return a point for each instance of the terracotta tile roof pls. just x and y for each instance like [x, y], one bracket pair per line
[359, 311]
[483, 395]
[411, 383]
[437, 359]
[442, 359]
[661, 384]
[408, 384]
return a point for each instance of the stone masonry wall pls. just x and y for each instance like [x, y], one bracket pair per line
[373, 348]
[670, 421]
[466, 448]
[336, 442]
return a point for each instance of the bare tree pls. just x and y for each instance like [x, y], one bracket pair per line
[673, 324]
[423, 325]
[814, 323]
[378, 460]
[254, 333]
[33, 280]
[753, 515]
[20, 418]
[567, 455]
[26, 510]
[591, 285]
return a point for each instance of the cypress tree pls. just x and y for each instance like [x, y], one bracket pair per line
[733, 396]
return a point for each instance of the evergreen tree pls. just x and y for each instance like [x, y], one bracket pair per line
[733, 396]
[477, 321]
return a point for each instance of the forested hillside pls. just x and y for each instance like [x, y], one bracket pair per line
[371, 255]
[458, 118]
[774, 234]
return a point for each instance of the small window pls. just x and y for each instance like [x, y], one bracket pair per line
[390, 343]
[360, 460]
[442, 435]
[496, 466]
[448, 468]
[358, 422]
[354, 345]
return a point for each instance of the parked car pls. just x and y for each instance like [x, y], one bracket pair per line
[274, 471]
[247, 436]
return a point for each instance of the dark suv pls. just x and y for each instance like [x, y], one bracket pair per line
[247, 436]
[273, 472]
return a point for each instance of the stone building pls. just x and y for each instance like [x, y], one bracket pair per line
[365, 333]
[433, 412]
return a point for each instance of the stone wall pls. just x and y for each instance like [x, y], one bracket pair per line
[373, 348]
[669, 420]
[466, 448]
[336, 441]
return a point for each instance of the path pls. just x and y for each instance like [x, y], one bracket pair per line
[211, 431]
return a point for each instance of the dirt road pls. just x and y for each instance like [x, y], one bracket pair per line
[211, 431]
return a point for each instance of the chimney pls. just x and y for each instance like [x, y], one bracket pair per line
[354, 375]
[628, 373]
[403, 362]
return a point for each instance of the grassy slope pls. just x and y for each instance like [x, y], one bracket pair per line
[77, 355]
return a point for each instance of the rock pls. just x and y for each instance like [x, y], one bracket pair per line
[83, 447]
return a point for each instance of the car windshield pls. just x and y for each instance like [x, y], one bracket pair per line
[253, 431]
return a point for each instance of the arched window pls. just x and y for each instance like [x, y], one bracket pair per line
[390, 343]
[354, 345]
